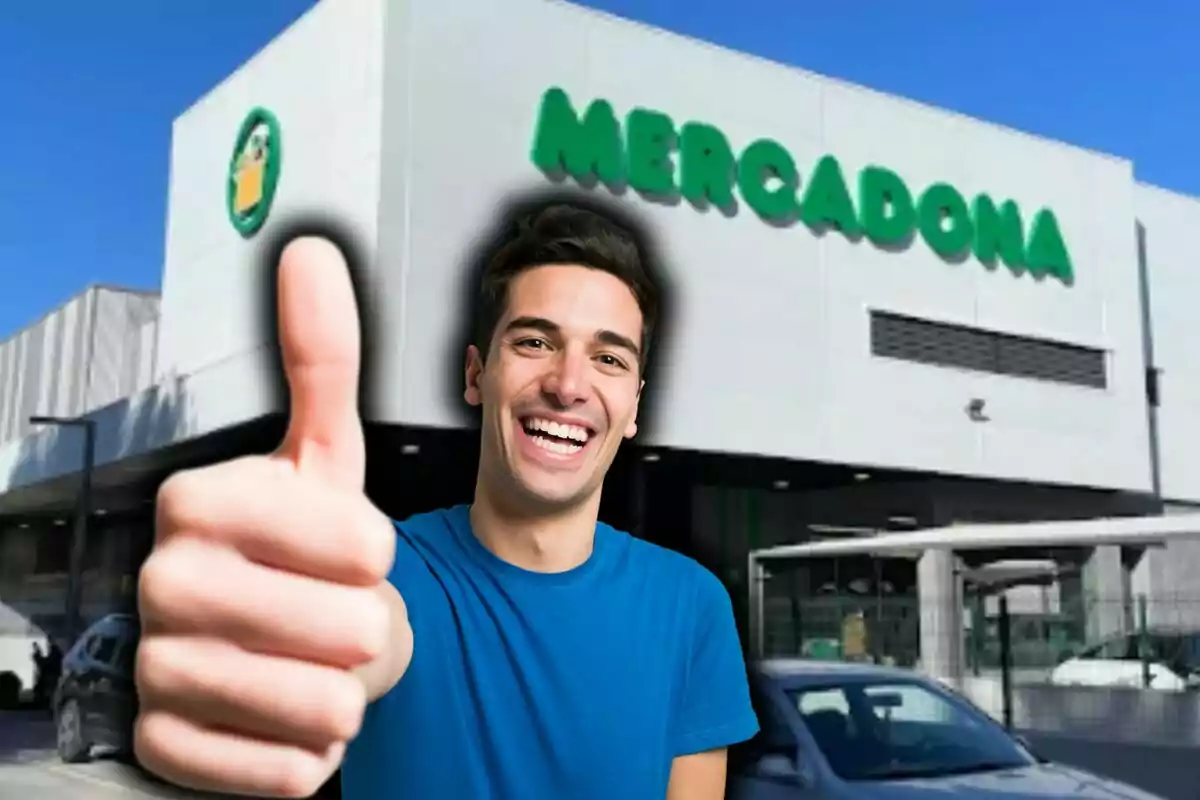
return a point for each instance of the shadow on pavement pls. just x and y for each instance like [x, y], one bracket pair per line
[26, 736]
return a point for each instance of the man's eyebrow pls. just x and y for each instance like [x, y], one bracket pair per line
[614, 339]
[551, 328]
[542, 324]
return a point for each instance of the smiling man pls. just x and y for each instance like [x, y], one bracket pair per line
[516, 648]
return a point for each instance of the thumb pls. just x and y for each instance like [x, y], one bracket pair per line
[319, 339]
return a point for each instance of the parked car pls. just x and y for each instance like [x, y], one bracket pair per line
[835, 731]
[1172, 659]
[95, 702]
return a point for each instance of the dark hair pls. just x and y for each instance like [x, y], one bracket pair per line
[563, 233]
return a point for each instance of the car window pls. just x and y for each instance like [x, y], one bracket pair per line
[84, 645]
[1191, 649]
[909, 704]
[890, 730]
[104, 649]
[1121, 648]
[823, 700]
[124, 660]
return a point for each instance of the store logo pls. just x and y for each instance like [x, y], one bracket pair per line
[254, 172]
[663, 162]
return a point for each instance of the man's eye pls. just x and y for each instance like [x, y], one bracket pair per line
[532, 344]
[612, 361]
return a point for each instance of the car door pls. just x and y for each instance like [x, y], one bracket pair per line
[122, 694]
[104, 692]
[84, 676]
[771, 765]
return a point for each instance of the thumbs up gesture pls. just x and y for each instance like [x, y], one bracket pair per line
[267, 619]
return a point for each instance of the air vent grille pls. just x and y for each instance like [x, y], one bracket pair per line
[958, 346]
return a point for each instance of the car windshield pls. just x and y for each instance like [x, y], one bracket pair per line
[1178, 650]
[874, 731]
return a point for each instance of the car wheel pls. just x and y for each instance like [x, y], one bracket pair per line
[73, 747]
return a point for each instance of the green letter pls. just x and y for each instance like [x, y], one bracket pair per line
[1046, 253]
[649, 139]
[585, 149]
[945, 221]
[761, 161]
[827, 201]
[999, 233]
[885, 206]
[706, 166]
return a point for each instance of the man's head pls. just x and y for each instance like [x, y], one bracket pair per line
[567, 310]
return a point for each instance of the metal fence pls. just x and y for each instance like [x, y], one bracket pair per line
[1064, 662]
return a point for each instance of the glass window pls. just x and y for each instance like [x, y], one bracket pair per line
[104, 649]
[877, 731]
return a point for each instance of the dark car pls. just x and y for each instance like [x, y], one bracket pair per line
[95, 702]
[835, 731]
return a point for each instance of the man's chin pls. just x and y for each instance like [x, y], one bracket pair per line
[540, 494]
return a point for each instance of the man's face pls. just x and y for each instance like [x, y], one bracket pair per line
[559, 389]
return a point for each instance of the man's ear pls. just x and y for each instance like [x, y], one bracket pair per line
[473, 394]
[631, 428]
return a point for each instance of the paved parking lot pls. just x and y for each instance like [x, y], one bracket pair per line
[30, 768]
[49, 779]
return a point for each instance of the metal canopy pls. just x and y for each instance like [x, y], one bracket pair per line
[1131, 531]
[995, 536]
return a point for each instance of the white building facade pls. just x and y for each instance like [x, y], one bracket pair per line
[859, 280]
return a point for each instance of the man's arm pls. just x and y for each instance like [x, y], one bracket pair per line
[700, 776]
[715, 712]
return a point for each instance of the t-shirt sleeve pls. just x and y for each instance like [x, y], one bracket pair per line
[715, 710]
[409, 568]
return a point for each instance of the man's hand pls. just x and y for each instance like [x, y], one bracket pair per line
[264, 605]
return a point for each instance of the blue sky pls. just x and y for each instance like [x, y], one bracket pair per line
[90, 90]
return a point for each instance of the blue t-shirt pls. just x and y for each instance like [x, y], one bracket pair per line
[532, 686]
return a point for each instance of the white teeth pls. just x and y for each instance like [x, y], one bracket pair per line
[557, 429]
[561, 448]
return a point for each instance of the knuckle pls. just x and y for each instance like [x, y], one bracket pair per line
[376, 548]
[151, 585]
[296, 775]
[180, 501]
[160, 582]
[158, 672]
[149, 745]
[372, 623]
[345, 704]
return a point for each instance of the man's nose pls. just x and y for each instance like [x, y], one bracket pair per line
[566, 381]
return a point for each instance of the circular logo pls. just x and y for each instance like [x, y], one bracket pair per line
[254, 171]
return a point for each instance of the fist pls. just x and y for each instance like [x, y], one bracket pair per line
[266, 589]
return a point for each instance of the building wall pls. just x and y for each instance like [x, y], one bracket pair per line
[1167, 223]
[413, 152]
[321, 78]
[95, 349]
[771, 352]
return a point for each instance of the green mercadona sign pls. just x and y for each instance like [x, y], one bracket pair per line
[663, 161]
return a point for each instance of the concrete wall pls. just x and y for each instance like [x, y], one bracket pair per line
[413, 151]
[321, 79]
[1166, 577]
[95, 349]
[761, 302]
[1167, 225]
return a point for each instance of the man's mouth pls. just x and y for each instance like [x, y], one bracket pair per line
[556, 437]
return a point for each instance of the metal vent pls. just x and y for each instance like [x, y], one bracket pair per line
[943, 345]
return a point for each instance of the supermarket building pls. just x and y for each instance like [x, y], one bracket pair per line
[886, 315]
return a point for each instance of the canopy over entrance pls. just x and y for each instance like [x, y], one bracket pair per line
[1147, 531]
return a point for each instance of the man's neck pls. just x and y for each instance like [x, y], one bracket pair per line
[538, 541]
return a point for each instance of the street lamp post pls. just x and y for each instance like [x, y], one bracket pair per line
[83, 512]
